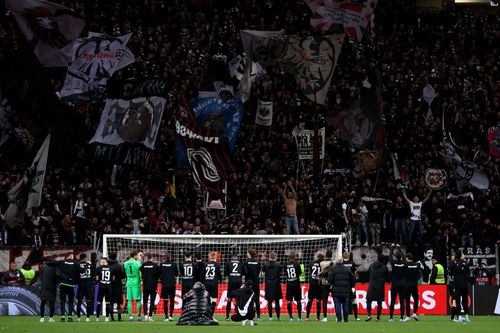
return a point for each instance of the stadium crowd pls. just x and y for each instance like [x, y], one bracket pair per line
[453, 50]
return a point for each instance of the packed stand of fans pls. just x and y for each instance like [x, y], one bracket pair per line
[455, 51]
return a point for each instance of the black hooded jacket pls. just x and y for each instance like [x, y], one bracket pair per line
[196, 307]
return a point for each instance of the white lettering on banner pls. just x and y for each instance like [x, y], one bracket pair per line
[429, 302]
[184, 131]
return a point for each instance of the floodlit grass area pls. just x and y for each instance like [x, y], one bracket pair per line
[427, 324]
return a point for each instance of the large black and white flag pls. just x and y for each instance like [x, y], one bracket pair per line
[26, 194]
[312, 61]
[463, 171]
[264, 114]
[128, 129]
[48, 27]
[39, 167]
[93, 60]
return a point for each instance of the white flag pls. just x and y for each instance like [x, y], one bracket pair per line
[133, 121]
[238, 64]
[48, 27]
[40, 166]
[312, 61]
[93, 60]
[264, 114]
[245, 85]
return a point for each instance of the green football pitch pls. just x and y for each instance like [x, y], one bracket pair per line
[427, 324]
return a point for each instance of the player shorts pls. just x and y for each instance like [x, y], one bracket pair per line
[168, 292]
[104, 292]
[212, 289]
[273, 291]
[314, 290]
[134, 293]
[87, 291]
[293, 292]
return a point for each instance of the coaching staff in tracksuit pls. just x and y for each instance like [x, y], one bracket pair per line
[68, 272]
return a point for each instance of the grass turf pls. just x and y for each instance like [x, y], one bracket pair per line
[427, 324]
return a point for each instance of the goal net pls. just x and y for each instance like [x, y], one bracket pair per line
[305, 246]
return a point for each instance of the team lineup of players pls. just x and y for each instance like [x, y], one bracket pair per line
[143, 275]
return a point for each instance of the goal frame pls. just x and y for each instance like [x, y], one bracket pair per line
[155, 237]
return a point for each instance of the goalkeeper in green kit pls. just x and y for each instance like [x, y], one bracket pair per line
[134, 292]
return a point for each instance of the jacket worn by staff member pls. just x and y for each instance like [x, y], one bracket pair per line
[197, 309]
[48, 283]
[341, 280]
[378, 277]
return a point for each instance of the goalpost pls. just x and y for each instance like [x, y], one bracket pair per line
[305, 246]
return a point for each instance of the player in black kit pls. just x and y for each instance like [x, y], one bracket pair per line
[293, 291]
[314, 292]
[398, 283]
[272, 270]
[150, 274]
[234, 271]
[348, 263]
[253, 272]
[86, 287]
[188, 273]
[104, 277]
[212, 274]
[414, 273]
[169, 271]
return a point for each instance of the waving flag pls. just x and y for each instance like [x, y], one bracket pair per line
[48, 27]
[312, 61]
[206, 150]
[352, 15]
[128, 129]
[27, 192]
[361, 123]
[93, 60]
[463, 171]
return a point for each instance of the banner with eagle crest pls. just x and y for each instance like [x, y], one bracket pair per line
[128, 129]
[93, 60]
